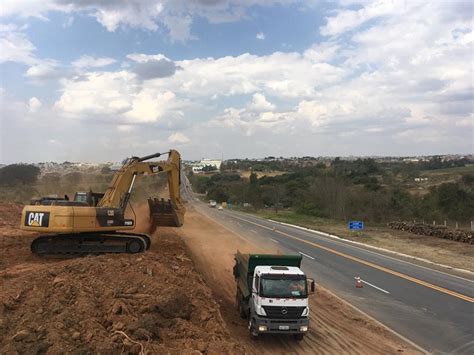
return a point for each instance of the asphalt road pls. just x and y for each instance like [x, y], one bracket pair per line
[431, 308]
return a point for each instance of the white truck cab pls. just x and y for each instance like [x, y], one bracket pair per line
[276, 300]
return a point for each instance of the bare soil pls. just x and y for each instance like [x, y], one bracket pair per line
[335, 327]
[155, 302]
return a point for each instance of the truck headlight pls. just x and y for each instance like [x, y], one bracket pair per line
[262, 328]
[304, 328]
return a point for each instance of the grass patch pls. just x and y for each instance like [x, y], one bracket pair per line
[450, 171]
[339, 228]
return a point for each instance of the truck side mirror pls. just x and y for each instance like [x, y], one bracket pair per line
[312, 285]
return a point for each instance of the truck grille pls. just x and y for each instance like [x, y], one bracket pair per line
[277, 312]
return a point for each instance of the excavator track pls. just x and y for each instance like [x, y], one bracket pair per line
[90, 243]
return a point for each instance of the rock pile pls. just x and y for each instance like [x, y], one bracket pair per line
[435, 231]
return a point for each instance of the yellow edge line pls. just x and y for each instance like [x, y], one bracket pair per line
[368, 263]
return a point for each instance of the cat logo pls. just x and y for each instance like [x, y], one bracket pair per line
[110, 213]
[37, 219]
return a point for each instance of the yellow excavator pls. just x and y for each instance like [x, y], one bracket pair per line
[95, 222]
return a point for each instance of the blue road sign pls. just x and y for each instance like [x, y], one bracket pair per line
[356, 225]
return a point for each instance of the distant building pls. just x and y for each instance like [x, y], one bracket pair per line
[199, 166]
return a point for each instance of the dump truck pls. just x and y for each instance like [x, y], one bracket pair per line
[272, 293]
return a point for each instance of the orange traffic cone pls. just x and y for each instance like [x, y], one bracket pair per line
[359, 283]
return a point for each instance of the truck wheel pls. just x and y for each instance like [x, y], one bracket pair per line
[298, 337]
[240, 305]
[253, 331]
[237, 300]
[242, 312]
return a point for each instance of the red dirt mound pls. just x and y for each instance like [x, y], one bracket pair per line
[154, 302]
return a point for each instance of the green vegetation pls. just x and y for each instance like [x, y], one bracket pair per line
[20, 183]
[18, 174]
[345, 190]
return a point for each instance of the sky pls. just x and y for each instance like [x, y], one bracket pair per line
[101, 80]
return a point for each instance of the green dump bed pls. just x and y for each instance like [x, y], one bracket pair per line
[245, 266]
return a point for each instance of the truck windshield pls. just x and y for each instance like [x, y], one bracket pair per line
[283, 287]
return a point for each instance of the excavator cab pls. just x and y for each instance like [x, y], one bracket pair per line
[89, 197]
[164, 214]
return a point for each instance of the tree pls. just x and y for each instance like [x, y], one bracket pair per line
[208, 168]
[73, 178]
[105, 170]
[468, 179]
[254, 193]
[218, 194]
[455, 202]
[51, 178]
[19, 174]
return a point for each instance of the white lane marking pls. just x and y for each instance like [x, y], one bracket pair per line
[253, 231]
[376, 287]
[274, 241]
[308, 256]
[366, 247]
[240, 225]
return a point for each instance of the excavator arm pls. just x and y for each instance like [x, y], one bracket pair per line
[163, 213]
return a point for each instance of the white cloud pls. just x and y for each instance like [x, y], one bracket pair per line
[125, 128]
[143, 58]
[45, 70]
[260, 103]
[150, 105]
[260, 36]
[178, 138]
[87, 61]
[177, 15]
[28, 8]
[15, 45]
[34, 104]
[297, 76]
[136, 14]
[347, 20]
[98, 94]
[179, 28]
[387, 72]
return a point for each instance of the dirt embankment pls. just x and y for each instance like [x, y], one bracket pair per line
[335, 328]
[152, 303]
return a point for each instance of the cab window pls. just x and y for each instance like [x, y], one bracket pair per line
[256, 282]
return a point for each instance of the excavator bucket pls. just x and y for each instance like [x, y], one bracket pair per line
[163, 213]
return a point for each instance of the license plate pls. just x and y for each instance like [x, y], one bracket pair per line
[284, 327]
